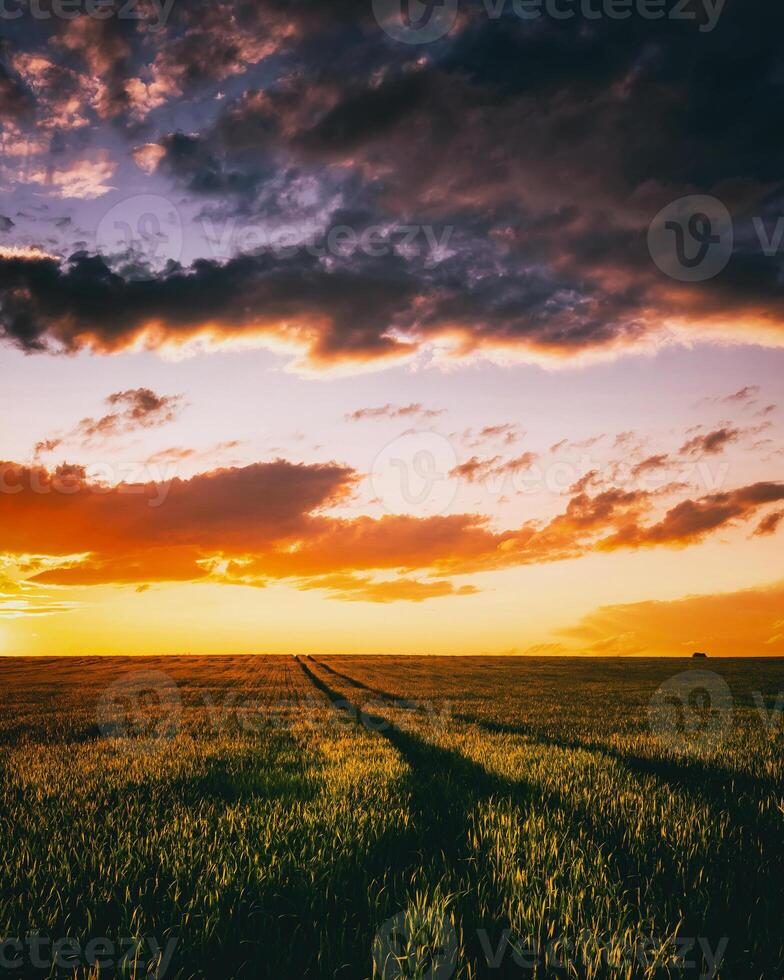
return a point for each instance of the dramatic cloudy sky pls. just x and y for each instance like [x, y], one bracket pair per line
[319, 333]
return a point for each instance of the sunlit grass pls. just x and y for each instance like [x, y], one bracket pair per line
[508, 819]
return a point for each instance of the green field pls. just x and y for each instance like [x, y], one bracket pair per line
[426, 817]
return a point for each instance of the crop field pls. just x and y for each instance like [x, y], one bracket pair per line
[357, 817]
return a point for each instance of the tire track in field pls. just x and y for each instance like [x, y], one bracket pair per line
[692, 774]
[411, 747]
[713, 783]
[696, 775]
[446, 788]
[722, 789]
[353, 681]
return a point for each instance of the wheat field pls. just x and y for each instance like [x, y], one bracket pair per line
[361, 817]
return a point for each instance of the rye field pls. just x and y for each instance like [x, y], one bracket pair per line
[360, 817]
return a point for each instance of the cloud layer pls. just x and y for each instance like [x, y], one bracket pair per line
[733, 624]
[544, 148]
[272, 521]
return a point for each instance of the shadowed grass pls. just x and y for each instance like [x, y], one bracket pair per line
[275, 833]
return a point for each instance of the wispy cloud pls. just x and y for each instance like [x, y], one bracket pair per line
[137, 408]
[85, 179]
[389, 411]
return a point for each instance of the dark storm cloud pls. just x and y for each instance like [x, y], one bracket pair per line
[548, 144]
[339, 312]
[191, 158]
[367, 113]
[554, 143]
[356, 308]
[16, 103]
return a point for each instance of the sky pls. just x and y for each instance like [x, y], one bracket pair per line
[340, 327]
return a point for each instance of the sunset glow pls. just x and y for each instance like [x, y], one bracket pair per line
[374, 352]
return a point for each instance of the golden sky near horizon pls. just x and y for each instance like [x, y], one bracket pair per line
[402, 512]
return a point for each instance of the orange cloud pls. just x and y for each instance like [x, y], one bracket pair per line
[712, 443]
[691, 520]
[148, 156]
[388, 411]
[268, 521]
[85, 179]
[61, 512]
[353, 588]
[476, 470]
[733, 624]
[769, 524]
[138, 408]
